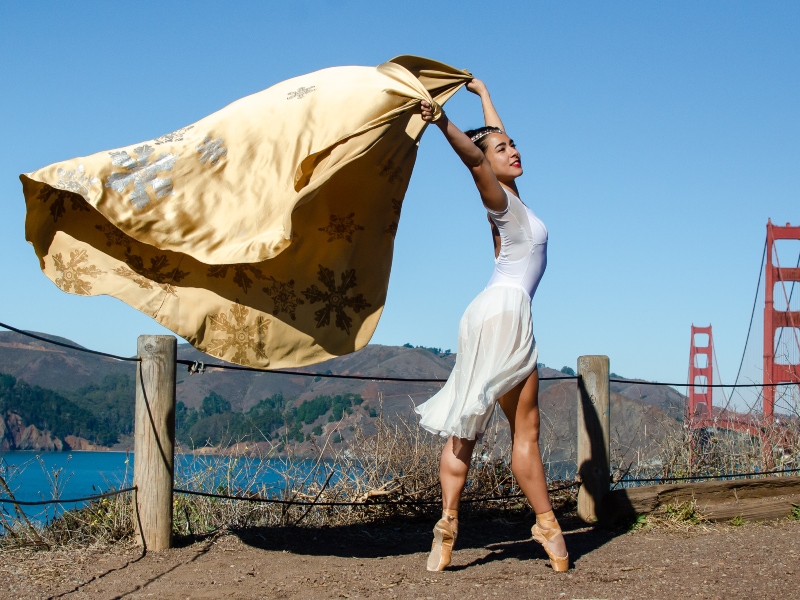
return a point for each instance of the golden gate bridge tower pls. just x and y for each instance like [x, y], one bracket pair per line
[779, 323]
[701, 358]
[781, 355]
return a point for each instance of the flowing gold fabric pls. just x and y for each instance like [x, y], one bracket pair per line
[263, 233]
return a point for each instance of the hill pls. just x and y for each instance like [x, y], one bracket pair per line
[222, 405]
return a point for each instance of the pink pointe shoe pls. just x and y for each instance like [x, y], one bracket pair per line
[444, 537]
[545, 529]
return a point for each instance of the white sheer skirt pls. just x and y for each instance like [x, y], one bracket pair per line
[496, 351]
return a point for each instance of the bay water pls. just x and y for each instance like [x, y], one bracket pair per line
[35, 476]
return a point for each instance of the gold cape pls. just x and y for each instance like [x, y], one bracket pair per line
[262, 234]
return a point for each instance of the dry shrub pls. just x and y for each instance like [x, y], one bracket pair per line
[391, 474]
[103, 521]
[680, 516]
[717, 451]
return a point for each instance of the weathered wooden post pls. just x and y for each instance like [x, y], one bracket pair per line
[154, 440]
[594, 403]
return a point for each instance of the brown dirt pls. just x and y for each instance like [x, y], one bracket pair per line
[495, 559]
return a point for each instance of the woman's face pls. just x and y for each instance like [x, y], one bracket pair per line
[503, 156]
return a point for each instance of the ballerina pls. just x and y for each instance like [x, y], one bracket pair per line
[496, 360]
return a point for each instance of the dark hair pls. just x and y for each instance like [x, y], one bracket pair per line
[483, 132]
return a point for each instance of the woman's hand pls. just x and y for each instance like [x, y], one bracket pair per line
[490, 116]
[476, 86]
[427, 112]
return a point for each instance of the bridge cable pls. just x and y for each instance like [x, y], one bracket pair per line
[750, 326]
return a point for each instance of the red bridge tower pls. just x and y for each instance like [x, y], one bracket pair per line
[701, 357]
[776, 319]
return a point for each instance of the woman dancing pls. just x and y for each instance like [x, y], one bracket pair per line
[496, 361]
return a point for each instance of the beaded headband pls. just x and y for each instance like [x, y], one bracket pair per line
[483, 134]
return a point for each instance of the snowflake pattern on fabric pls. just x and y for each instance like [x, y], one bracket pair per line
[283, 297]
[155, 272]
[71, 272]
[238, 334]
[59, 197]
[397, 206]
[335, 298]
[115, 236]
[141, 173]
[300, 92]
[211, 150]
[142, 276]
[390, 170]
[143, 282]
[75, 180]
[175, 136]
[240, 276]
[341, 227]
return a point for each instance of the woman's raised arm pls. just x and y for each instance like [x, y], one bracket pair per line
[490, 116]
[492, 194]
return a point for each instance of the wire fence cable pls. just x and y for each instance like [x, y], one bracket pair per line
[191, 363]
[363, 504]
[68, 500]
[696, 477]
[70, 346]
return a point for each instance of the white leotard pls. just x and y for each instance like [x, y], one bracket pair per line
[523, 247]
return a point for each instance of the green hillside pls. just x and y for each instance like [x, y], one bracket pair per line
[49, 411]
[272, 418]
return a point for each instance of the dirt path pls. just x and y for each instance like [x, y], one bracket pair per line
[494, 560]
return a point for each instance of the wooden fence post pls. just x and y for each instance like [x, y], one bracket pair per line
[593, 435]
[154, 440]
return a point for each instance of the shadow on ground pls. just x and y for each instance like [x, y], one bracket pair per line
[505, 537]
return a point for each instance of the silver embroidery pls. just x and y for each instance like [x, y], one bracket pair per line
[300, 92]
[75, 181]
[211, 150]
[175, 136]
[141, 173]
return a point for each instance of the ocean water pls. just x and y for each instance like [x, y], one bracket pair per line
[33, 476]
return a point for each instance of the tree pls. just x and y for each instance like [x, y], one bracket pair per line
[214, 404]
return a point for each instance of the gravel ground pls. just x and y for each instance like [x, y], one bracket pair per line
[494, 559]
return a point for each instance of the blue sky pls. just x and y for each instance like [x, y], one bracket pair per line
[657, 139]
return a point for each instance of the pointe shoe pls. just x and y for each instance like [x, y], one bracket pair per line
[444, 537]
[545, 529]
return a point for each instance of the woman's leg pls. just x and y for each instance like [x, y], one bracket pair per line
[521, 407]
[453, 468]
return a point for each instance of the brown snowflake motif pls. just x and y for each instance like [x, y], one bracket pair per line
[283, 297]
[59, 197]
[115, 236]
[335, 299]
[143, 282]
[243, 337]
[341, 227]
[397, 206]
[240, 276]
[155, 272]
[390, 170]
[72, 272]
